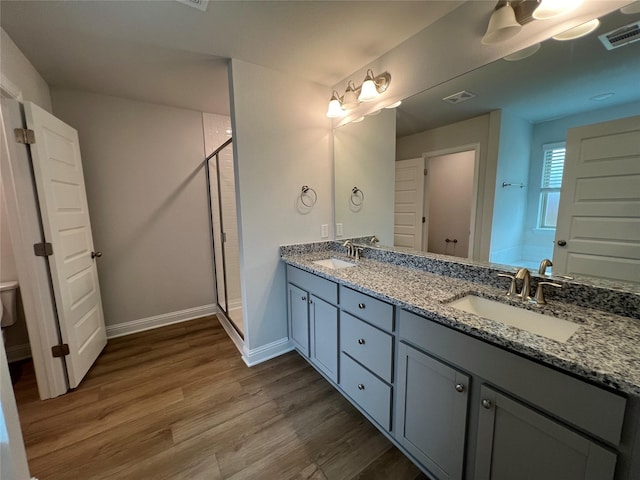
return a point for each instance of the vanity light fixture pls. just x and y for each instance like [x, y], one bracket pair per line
[335, 109]
[394, 104]
[579, 31]
[373, 86]
[502, 25]
[370, 89]
[553, 8]
[357, 120]
[350, 97]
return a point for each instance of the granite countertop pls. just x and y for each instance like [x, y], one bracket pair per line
[604, 350]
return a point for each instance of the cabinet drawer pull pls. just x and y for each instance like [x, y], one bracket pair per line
[486, 403]
[459, 387]
[361, 341]
[360, 386]
[361, 306]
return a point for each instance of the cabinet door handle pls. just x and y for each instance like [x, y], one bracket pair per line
[361, 341]
[304, 299]
[487, 404]
[310, 301]
[459, 387]
[361, 306]
[360, 386]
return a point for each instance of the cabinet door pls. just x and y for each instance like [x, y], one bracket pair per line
[299, 318]
[432, 412]
[515, 441]
[324, 336]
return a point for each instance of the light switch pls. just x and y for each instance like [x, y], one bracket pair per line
[324, 231]
[338, 229]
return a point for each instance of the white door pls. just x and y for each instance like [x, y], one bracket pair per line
[65, 217]
[409, 195]
[598, 230]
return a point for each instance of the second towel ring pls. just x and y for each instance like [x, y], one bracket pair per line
[357, 197]
[310, 194]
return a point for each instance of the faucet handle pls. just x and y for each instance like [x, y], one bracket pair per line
[512, 286]
[539, 298]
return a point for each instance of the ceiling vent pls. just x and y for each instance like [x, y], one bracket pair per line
[459, 97]
[621, 36]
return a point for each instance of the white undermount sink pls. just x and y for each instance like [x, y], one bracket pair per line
[334, 263]
[543, 325]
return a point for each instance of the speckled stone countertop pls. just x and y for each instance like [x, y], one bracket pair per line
[604, 350]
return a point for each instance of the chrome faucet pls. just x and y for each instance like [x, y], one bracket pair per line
[373, 240]
[350, 248]
[543, 266]
[524, 275]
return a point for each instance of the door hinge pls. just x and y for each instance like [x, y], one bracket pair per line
[43, 249]
[424, 219]
[61, 350]
[425, 172]
[24, 135]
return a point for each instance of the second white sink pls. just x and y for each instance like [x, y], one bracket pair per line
[543, 325]
[334, 263]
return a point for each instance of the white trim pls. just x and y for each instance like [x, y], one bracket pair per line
[142, 324]
[233, 333]
[254, 356]
[10, 89]
[18, 352]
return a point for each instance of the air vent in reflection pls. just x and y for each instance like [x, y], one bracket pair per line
[621, 36]
[459, 97]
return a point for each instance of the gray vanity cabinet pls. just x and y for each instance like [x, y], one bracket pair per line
[313, 319]
[432, 412]
[515, 441]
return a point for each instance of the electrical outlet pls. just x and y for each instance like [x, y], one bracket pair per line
[338, 229]
[324, 231]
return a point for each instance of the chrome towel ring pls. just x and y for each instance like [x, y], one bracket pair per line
[357, 197]
[310, 195]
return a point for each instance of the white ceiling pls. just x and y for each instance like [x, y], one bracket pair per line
[169, 53]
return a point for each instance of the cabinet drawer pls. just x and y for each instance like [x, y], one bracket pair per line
[320, 287]
[371, 347]
[368, 391]
[576, 402]
[370, 309]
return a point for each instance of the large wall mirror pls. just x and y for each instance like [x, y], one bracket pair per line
[493, 144]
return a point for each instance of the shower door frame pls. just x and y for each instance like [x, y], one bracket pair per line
[224, 310]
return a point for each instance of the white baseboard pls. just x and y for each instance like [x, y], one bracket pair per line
[266, 352]
[232, 332]
[18, 352]
[142, 324]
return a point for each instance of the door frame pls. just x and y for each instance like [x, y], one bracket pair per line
[18, 191]
[474, 226]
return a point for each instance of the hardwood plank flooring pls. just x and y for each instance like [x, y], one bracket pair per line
[179, 403]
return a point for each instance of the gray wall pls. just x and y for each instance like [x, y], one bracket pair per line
[282, 141]
[143, 166]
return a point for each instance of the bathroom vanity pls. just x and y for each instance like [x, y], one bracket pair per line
[461, 395]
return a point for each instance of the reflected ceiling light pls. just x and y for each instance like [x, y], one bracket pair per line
[553, 8]
[601, 97]
[631, 8]
[394, 104]
[350, 97]
[335, 109]
[522, 54]
[502, 25]
[373, 86]
[357, 120]
[579, 31]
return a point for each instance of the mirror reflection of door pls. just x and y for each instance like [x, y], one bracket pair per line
[448, 204]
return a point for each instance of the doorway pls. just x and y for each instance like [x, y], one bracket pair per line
[450, 202]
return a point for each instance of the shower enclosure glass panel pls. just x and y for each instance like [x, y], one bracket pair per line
[221, 180]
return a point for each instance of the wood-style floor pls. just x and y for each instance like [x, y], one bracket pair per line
[179, 403]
